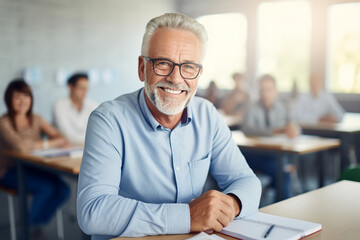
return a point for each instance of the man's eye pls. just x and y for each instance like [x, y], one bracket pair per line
[188, 66]
[163, 64]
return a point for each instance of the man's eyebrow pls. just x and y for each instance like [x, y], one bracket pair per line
[185, 61]
[189, 61]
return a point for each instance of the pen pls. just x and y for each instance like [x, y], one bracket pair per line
[269, 231]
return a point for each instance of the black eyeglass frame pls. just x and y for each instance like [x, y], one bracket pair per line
[173, 66]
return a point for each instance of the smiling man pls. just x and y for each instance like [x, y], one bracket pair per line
[148, 153]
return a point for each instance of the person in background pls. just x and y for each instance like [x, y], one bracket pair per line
[268, 117]
[148, 153]
[237, 101]
[212, 94]
[318, 105]
[71, 113]
[21, 130]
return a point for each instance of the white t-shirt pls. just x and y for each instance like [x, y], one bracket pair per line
[71, 122]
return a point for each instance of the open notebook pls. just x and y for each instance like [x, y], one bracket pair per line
[255, 226]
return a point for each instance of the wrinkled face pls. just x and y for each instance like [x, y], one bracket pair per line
[268, 93]
[21, 102]
[170, 94]
[78, 92]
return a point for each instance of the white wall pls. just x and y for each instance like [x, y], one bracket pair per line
[75, 35]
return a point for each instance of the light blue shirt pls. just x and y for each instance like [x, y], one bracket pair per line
[309, 109]
[137, 177]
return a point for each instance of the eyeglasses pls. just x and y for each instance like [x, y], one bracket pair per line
[164, 67]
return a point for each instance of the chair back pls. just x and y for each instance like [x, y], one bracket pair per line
[352, 174]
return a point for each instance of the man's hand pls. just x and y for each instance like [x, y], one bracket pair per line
[292, 130]
[328, 118]
[212, 211]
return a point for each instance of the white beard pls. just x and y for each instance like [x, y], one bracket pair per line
[167, 105]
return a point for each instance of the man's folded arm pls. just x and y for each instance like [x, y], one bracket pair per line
[114, 215]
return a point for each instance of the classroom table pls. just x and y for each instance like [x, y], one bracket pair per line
[282, 148]
[233, 121]
[336, 207]
[348, 131]
[60, 165]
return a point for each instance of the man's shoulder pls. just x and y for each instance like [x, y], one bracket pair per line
[255, 107]
[200, 102]
[304, 99]
[123, 103]
[62, 102]
[203, 111]
[89, 105]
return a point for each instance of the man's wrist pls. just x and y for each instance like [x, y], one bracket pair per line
[237, 203]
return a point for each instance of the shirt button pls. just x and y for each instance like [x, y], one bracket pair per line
[177, 168]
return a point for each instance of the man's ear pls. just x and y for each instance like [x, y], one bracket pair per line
[70, 87]
[141, 69]
[201, 70]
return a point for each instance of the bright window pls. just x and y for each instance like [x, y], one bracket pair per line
[344, 48]
[226, 47]
[284, 42]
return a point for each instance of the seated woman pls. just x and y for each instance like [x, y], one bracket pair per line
[21, 130]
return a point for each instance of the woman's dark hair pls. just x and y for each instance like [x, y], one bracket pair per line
[17, 85]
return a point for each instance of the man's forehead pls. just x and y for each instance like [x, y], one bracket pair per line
[167, 42]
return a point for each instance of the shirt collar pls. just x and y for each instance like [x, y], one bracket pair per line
[185, 118]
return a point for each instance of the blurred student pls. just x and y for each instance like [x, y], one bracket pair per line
[71, 113]
[269, 116]
[318, 105]
[21, 130]
[212, 94]
[237, 101]
[266, 118]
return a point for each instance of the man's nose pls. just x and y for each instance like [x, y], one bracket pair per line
[175, 76]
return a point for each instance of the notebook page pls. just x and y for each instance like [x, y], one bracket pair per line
[255, 227]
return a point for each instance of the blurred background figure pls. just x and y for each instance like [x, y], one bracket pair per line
[269, 115]
[266, 118]
[21, 130]
[237, 101]
[318, 105]
[71, 113]
[212, 94]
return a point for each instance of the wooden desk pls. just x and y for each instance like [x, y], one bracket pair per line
[62, 165]
[336, 207]
[66, 164]
[282, 147]
[348, 131]
[350, 124]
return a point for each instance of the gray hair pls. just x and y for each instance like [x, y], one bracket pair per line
[173, 21]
